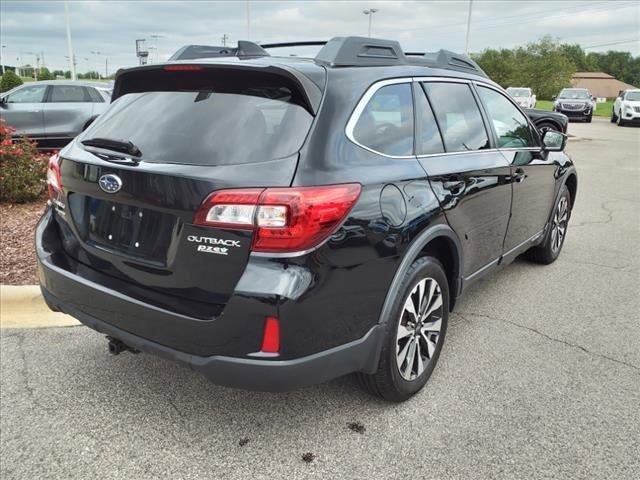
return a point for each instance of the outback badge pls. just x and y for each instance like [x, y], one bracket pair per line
[110, 183]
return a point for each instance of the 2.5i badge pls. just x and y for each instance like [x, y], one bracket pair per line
[219, 246]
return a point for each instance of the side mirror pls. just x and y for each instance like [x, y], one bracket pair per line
[554, 141]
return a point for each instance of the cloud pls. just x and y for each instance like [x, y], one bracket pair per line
[112, 27]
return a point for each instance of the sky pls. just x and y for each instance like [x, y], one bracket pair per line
[110, 28]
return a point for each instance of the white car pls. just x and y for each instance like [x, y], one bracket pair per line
[523, 96]
[626, 108]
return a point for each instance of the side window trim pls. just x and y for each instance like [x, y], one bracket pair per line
[362, 104]
[532, 126]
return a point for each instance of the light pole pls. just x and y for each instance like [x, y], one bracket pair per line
[370, 13]
[466, 43]
[1, 62]
[72, 58]
[157, 36]
[248, 21]
[98, 53]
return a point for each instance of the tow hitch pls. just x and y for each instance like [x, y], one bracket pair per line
[116, 347]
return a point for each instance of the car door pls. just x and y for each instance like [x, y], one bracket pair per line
[66, 110]
[471, 178]
[532, 170]
[22, 109]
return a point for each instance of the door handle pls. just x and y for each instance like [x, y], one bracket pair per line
[519, 176]
[454, 186]
[34, 111]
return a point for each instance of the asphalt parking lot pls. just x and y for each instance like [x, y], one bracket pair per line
[539, 378]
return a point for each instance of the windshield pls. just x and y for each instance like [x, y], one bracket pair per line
[574, 94]
[254, 124]
[518, 92]
[633, 96]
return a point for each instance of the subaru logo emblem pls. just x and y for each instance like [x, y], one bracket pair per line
[110, 183]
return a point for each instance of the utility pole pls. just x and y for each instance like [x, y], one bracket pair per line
[225, 37]
[248, 22]
[1, 62]
[72, 62]
[370, 13]
[466, 43]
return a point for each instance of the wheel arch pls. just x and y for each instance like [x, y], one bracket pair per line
[439, 241]
[542, 121]
[572, 184]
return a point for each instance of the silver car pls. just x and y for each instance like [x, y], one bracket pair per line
[54, 112]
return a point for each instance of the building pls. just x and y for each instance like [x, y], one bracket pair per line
[600, 84]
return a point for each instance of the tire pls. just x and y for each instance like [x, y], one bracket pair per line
[549, 250]
[621, 122]
[397, 380]
[589, 118]
[548, 126]
[614, 119]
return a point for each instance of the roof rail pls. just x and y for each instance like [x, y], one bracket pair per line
[343, 52]
[361, 52]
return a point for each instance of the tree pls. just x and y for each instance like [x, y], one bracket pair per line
[9, 80]
[544, 66]
[45, 74]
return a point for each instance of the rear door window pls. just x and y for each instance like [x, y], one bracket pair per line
[458, 116]
[386, 123]
[217, 120]
[428, 139]
[68, 94]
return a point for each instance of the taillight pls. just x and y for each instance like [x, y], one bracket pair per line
[54, 180]
[182, 68]
[283, 219]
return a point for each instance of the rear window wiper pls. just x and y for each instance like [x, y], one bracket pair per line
[113, 145]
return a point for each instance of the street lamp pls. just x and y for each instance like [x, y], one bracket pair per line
[370, 13]
[156, 37]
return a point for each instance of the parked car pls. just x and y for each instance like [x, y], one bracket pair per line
[274, 222]
[53, 112]
[544, 120]
[575, 103]
[626, 108]
[523, 96]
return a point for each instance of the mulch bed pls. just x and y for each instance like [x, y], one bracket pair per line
[17, 251]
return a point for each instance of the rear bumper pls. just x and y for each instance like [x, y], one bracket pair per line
[108, 311]
[262, 375]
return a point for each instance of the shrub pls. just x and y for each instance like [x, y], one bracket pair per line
[22, 169]
[9, 80]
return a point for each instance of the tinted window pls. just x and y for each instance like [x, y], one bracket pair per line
[30, 94]
[228, 121]
[428, 138]
[95, 95]
[386, 123]
[511, 126]
[68, 93]
[458, 116]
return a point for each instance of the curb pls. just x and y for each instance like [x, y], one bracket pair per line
[22, 306]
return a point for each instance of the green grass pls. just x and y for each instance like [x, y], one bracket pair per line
[602, 109]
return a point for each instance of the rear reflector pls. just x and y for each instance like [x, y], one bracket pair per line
[283, 219]
[271, 336]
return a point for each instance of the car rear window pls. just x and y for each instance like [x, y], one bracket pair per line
[221, 122]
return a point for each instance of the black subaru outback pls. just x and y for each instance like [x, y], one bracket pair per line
[278, 221]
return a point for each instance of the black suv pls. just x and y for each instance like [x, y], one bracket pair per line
[275, 222]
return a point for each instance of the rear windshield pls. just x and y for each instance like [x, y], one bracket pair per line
[222, 122]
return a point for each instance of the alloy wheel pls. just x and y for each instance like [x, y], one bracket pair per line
[419, 328]
[559, 225]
